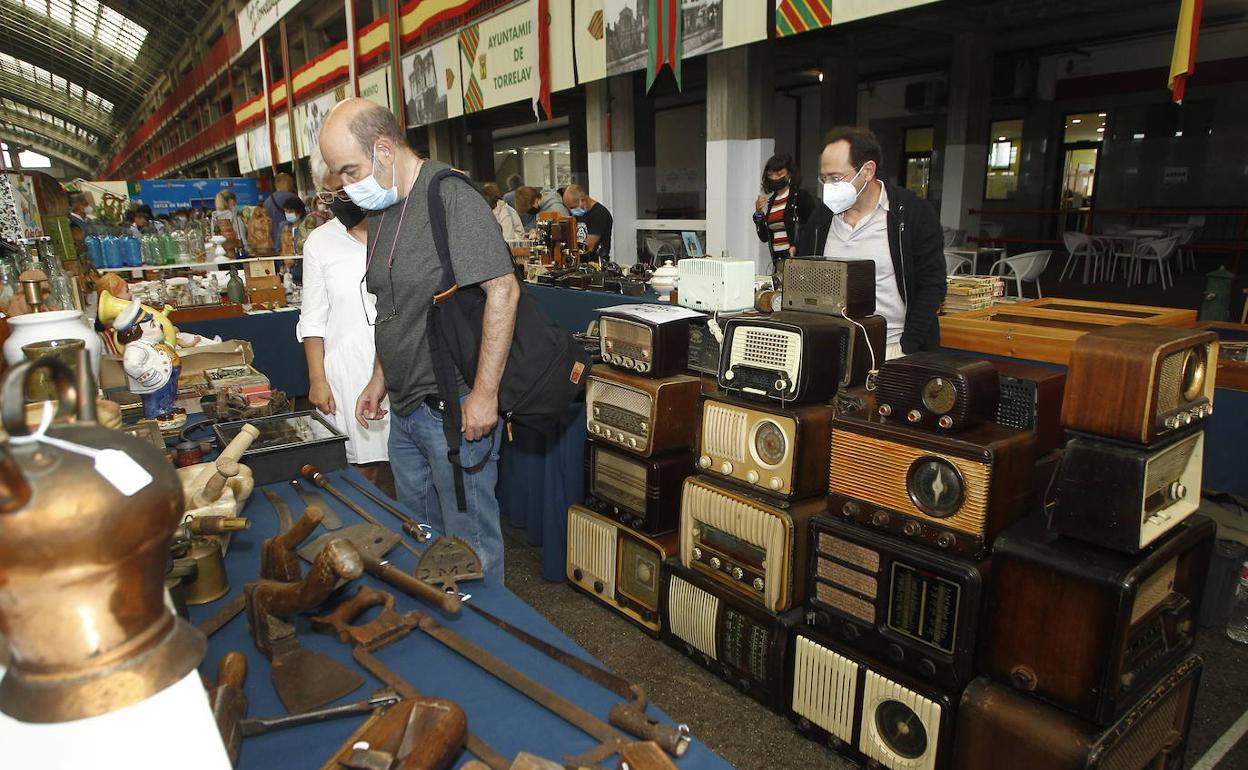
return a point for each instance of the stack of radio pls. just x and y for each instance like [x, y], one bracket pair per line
[1090, 621]
[737, 590]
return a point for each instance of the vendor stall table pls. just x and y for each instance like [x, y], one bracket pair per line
[272, 336]
[497, 714]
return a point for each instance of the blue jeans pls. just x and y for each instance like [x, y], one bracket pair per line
[425, 482]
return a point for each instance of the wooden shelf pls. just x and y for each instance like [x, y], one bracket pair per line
[194, 265]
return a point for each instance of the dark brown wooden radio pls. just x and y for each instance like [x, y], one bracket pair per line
[785, 356]
[1000, 727]
[1090, 630]
[1031, 399]
[640, 493]
[642, 415]
[643, 345]
[829, 286]
[937, 391]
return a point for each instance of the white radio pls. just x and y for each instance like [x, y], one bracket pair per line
[715, 284]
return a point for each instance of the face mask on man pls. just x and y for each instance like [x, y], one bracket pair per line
[368, 193]
[347, 213]
[577, 212]
[776, 185]
[839, 196]
[292, 217]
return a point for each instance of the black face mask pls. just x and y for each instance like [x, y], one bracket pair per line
[347, 213]
[776, 185]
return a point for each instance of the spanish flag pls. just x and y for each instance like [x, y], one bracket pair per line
[1183, 61]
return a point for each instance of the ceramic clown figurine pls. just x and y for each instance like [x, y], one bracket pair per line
[151, 364]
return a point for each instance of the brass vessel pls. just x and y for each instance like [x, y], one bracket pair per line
[82, 565]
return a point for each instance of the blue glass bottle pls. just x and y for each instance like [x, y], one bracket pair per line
[112, 251]
[134, 252]
[94, 251]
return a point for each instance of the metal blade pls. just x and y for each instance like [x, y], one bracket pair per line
[368, 539]
[305, 680]
[314, 497]
[228, 612]
[284, 520]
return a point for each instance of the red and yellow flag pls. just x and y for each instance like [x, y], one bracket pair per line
[664, 34]
[1183, 60]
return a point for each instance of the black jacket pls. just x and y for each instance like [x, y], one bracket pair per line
[796, 211]
[917, 244]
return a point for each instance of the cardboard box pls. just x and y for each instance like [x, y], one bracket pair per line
[194, 361]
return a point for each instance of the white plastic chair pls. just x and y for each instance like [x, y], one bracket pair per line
[1082, 245]
[956, 263]
[1158, 251]
[1186, 254]
[1023, 267]
[990, 233]
[953, 237]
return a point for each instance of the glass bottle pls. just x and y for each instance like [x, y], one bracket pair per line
[234, 287]
[1237, 624]
[134, 251]
[168, 251]
[95, 252]
[112, 250]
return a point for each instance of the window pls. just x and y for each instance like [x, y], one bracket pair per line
[1005, 142]
[539, 163]
[1082, 135]
[40, 76]
[916, 165]
[92, 21]
[1085, 127]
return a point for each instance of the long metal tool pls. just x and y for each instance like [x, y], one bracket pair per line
[312, 497]
[260, 725]
[284, 518]
[410, 525]
[218, 619]
[332, 520]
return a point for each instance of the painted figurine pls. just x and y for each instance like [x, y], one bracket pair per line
[151, 364]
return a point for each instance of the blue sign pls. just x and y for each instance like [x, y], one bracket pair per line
[168, 195]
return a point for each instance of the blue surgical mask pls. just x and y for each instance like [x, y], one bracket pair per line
[577, 212]
[292, 217]
[368, 193]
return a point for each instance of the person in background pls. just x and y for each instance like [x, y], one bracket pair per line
[80, 209]
[293, 212]
[225, 219]
[593, 224]
[527, 199]
[862, 216]
[334, 329]
[283, 192]
[514, 182]
[142, 222]
[780, 210]
[508, 219]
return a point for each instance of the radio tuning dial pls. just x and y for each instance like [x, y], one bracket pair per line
[752, 476]
[758, 584]
[885, 410]
[945, 421]
[914, 415]
[1178, 491]
[715, 562]
[775, 483]
[725, 468]
[704, 461]
[737, 573]
[880, 518]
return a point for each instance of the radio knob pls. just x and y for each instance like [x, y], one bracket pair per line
[1178, 491]
[599, 587]
[1023, 678]
[781, 385]
[642, 425]
[728, 374]
[596, 411]
[885, 410]
[737, 573]
[725, 468]
[1172, 422]
[645, 354]
[912, 528]
[895, 653]
[642, 366]
[1187, 418]
[597, 429]
[880, 518]
[850, 508]
[927, 668]
[945, 540]
[578, 574]
[697, 552]
[632, 442]
[776, 483]
[1127, 679]
[945, 421]
[752, 476]
[850, 632]
[715, 562]
[1208, 409]
[758, 584]
[1184, 627]
[704, 461]
[914, 415]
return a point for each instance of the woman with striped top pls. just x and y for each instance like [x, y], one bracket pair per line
[781, 209]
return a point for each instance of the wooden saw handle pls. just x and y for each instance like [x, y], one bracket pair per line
[278, 558]
[337, 561]
[340, 622]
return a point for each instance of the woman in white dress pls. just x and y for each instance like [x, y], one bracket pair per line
[334, 330]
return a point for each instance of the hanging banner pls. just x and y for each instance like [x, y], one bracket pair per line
[261, 153]
[168, 195]
[243, 143]
[314, 113]
[431, 83]
[281, 137]
[741, 22]
[664, 40]
[589, 33]
[498, 58]
[258, 17]
[375, 86]
[794, 17]
[625, 34]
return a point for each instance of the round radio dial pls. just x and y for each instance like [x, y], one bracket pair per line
[940, 395]
[752, 476]
[1194, 367]
[704, 461]
[770, 444]
[725, 468]
[935, 486]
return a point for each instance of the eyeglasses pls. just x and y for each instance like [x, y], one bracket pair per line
[329, 196]
[394, 308]
[831, 178]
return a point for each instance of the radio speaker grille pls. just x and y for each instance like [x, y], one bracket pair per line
[1017, 406]
[1153, 735]
[766, 348]
[1155, 589]
[825, 688]
[591, 547]
[613, 395]
[825, 280]
[1169, 465]
[619, 480]
[766, 529]
[692, 614]
[900, 728]
[723, 432]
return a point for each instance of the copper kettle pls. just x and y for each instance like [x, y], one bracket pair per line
[82, 598]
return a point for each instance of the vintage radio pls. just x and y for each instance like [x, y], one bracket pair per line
[644, 344]
[937, 391]
[766, 448]
[918, 610]
[954, 493]
[1140, 383]
[1125, 497]
[1031, 399]
[617, 566]
[715, 285]
[704, 346]
[639, 493]
[1091, 630]
[739, 641]
[745, 544]
[861, 348]
[784, 356]
[865, 710]
[840, 287]
[643, 415]
[998, 726]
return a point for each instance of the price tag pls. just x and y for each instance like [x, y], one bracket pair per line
[120, 470]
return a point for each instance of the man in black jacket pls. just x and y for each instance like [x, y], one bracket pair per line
[862, 216]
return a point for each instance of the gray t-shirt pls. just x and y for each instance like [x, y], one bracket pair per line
[404, 293]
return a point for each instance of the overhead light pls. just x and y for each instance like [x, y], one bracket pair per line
[1137, 136]
[820, 77]
[1178, 133]
[1100, 130]
[1000, 138]
[1076, 120]
[1100, 114]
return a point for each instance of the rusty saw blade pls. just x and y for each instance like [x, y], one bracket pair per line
[312, 497]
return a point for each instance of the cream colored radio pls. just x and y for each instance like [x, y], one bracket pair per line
[617, 566]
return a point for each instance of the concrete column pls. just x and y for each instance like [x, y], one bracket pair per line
[578, 136]
[966, 131]
[482, 153]
[739, 140]
[440, 142]
[611, 160]
[838, 92]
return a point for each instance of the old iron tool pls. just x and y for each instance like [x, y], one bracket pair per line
[221, 617]
[310, 498]
[313, 475]
[229, 704]
[382, 699]
[420, 532]
[304, 680]
[447, 561]
[278, 559]
[284, 518]
[414, 734]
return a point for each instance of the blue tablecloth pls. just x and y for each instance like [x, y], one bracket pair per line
[573, 309]
[497, 714]
[272, 336]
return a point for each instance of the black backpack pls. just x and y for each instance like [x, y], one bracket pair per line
[546, 366]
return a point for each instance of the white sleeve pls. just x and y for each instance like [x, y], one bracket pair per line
[314, 313]
[514, 229]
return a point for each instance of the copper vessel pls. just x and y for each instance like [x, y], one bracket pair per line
[82, 565]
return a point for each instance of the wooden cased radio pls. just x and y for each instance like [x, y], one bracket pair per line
[642, 415]
[766, 448]
[862, 347]
[617, 566]
[640, 493]
[998, 725]
[741, 542]
[865, 710]
[1140, 383]
[1089, 630]
[643, 345]
[937, 391]
[784, 356]
[1031, 399]
[1126, 497]
[735, 639]
[953, 493]
[918, 610]
[840, 287]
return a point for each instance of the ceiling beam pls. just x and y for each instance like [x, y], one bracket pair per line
[17, 139]
[31, 38]
[51, 133]
[58, 103]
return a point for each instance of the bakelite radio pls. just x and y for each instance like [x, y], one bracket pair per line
[642, 494]
[937, 391]
[655, 349]
[766, 448]
[1088, 630]
[704, 346]
[617, 566]
[784, 356]
[746, 545]
[917, 610]
[715, 285]
[865, 710]
[1140, 383]
[1125, 497]
[1031, 399]
[642, 415]
[953, 493]
[737, 640]
[861, 348]
[840, 287]
[998, 726]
